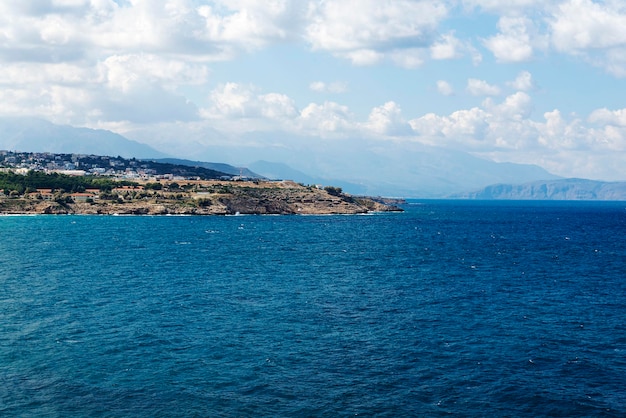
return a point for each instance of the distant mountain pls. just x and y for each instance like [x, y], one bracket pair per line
[357, 165]
[224, 168]
[280, 171]
[565, 189]
[399, 169]
[433, 172]
[38, 135]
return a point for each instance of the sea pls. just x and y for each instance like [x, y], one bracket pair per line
[451, 308]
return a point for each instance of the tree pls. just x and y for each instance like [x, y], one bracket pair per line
[153, 186]
[333, 191]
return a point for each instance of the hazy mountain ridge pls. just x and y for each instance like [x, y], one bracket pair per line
[564, 189]
[280, 171]
[360, 165]
[406, 169]
[222, 167]
[38, 135]
[392, 168]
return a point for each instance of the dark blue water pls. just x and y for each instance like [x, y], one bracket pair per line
[451, 308]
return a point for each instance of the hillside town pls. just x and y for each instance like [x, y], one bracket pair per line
[46, 183]
[96, 165]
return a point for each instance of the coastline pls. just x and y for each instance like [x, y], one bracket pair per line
[204, 198]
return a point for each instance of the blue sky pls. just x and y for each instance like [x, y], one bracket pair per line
[524, 81]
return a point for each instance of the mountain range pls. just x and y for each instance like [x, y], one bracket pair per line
[563, 189]
[222, 167]
[384, 169]
[38, 135]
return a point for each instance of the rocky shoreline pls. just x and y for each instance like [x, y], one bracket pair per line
[214, 198]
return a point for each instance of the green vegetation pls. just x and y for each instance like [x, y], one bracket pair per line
[153, 186]
[333, 191]
[33, 180]
[57, 193]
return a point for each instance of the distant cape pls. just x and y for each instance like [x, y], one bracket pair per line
[564, 189]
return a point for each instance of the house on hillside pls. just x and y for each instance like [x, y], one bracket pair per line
[44, 194]
[122, 189]
[83, 197]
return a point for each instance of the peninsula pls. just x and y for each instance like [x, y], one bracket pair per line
[33, 184]
[195, 198]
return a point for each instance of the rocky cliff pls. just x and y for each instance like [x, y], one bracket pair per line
[218, 198]
[566, 189]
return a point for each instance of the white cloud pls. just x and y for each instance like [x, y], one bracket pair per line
[47, 103]
[235, 101]
[318, 86]
[429, 127]
[583, 24]
[594, 30]
[363, 57]
[612, 138]
[122, 72]
[467, 123]
[157, 105]
[53, 31]
[447, 47]
[365, 30]
[27, 75]
[513, 43]
[510, 7]
[481, 88]
[326, 119]
[387, 120]
[517, 106]
[409, 58]
[523, 82]
[501, 126]
[610, 128]
[49, 31]
[128, 61]
[445, 88]
[252, 22]
[592, 139]
[119, 63]
[556, 133]
[615, 62]
[68, 93]
[605, 116]
[230, 100]
[277, 106]
[466, 127]
[505, 132]
[335, 87]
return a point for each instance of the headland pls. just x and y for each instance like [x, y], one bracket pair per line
[195, 197]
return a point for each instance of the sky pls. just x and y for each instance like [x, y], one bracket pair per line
[525, 81]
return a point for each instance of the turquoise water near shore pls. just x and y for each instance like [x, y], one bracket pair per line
[450, 308]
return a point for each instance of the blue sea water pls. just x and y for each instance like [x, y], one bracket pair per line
[448, 309]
